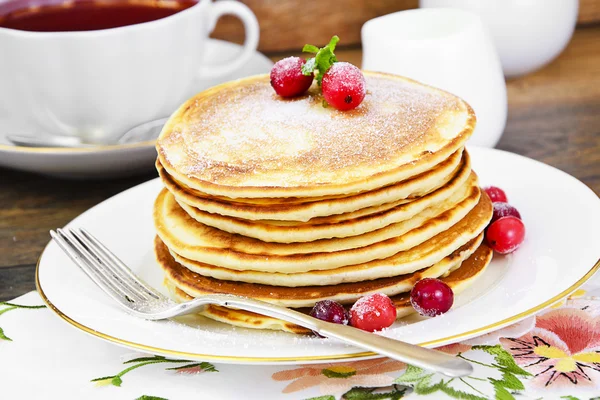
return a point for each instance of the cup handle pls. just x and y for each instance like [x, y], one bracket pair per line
[228, 7]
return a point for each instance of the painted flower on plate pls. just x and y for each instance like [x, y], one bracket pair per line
[562, 350]
[334, 378]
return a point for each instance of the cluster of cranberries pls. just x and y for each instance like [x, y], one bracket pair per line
[377, 311]
[429, 297]
[506, 231]
[343, 84]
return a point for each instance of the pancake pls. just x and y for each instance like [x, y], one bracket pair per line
[305, 296]
[339, 226]
[414, 187]
[458, 280]
[199, 242]
[465, 198]
[404, 262]
[240, 139]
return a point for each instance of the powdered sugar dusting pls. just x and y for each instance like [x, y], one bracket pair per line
[246, 135]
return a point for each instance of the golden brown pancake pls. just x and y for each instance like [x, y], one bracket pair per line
[240, 139]
[458, 280]
[338, 226]
[411, 188]
[404, 262]
[196, 241]
[304, 296]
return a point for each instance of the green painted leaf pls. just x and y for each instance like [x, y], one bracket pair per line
[116, 381]
[509, 381]
[3, 303]
[309, 48]
[337, 374]
[575, 398]
[206, 366]
[502, 394]
[101, 379]
[146, 397]
[322, 398]
[422, 386]
[7, 309]
[362, 393]
[412, 374]
[504, 359]
[459, 394]
[144, 359]
[3, 336]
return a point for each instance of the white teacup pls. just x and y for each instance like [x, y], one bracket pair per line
[446, 48]
[98, 84]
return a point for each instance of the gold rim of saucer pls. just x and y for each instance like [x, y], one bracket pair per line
[259, 360]
[99, 148]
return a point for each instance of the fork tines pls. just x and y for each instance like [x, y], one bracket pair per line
[103, 267]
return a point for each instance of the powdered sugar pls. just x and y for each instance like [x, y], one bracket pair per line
[249, 136]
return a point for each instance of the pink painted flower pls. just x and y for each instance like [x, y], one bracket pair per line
[562, 350]
[455, 348]
[337, 378]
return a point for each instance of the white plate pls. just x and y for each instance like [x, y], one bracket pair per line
[116, 160]
[559, 254]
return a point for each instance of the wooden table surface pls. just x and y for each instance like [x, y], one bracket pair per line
[554, 117]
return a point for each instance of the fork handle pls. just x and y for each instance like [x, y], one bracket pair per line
[409, 353]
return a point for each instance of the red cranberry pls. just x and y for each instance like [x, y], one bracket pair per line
[343, 86]
[373, 313]
[287, 78]
[330, 311]
[502, 209]
[431, 297]
[506, 234]
[496, 194]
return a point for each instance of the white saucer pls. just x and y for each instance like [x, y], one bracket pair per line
[559, 254]
[116, 160]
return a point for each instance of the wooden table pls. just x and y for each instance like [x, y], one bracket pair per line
[554, 117]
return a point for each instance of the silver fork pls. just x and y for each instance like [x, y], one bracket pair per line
[139, 299]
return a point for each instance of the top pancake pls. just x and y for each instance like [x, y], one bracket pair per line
[240, 139]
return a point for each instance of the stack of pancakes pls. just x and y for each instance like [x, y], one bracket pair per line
[292, 202]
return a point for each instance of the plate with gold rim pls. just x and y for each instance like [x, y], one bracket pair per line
[560, 253]
[112, 160]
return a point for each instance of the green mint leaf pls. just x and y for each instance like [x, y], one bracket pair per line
[309, 48]
[574, 398]
[333, 42]
[145, 397]
[3, 336]
[308, 67]
[324, 58]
